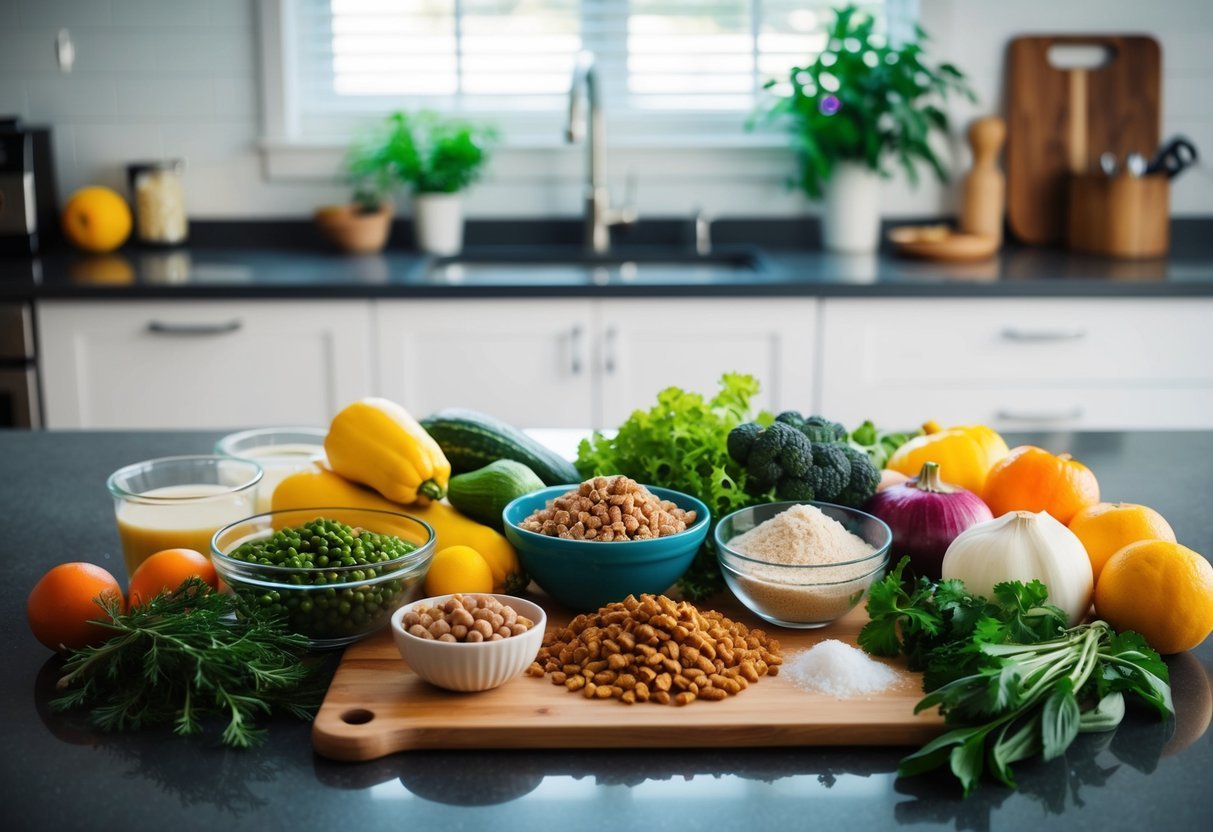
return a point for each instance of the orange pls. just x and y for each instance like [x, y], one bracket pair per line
[1159, 589]
[165, 570]
[1032, 479]
[1106, 528]
[96, 219]
[458, 569]
[61, 605]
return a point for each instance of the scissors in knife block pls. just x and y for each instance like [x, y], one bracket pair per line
[1173, 157]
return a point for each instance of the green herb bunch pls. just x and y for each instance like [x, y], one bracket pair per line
[863, 99]
[184, 657]
[682, 443]
[1007, 674]
[425, 151]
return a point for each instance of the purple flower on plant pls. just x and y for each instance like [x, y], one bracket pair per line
[829, 105]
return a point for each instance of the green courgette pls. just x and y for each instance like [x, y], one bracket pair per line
[472, 440]
[483, 493]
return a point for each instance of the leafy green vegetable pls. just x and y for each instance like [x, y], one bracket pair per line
[682, 443]
[1006, 673]
[185, 656]
[877, 444]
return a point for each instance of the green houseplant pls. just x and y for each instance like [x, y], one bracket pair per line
[862, 102]
[362, 226]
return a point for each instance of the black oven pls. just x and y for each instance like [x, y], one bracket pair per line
[18, 371]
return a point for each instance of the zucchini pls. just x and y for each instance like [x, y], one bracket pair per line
[472, 440]
[483, 493]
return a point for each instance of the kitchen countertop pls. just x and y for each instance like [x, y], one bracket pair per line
[276, 270]
[58, 774]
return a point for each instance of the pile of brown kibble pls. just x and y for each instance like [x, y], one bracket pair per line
[609, 509]
[652, 649]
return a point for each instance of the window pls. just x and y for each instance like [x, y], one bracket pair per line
[668, 68]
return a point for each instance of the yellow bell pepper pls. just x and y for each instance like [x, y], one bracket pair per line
[965, 454]
[377, 443]
[321, 487]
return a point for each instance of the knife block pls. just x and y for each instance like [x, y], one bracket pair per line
[1119, 216]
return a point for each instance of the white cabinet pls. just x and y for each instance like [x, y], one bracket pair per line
[568, 363]
[648, 345]
[527, 362]
[200, 364]
[1107, 363]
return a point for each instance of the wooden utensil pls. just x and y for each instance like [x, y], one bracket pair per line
[985, 186]
[377, 706]
[1060, 120]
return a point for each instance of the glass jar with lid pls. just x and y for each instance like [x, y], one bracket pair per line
[159, 200]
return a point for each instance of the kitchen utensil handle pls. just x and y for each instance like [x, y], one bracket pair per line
[1012, 333]
[608, 350]
[222, 328]
[1039, 416]
[575, 350]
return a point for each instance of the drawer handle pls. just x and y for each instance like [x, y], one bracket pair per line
[609, 350]
[1039, 416]
[166, 328]
[575, 350]
[1012, 333]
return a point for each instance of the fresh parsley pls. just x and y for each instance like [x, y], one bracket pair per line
[1011, 680]
[187, 656]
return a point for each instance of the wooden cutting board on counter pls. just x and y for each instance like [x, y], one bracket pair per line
[1059, 121]
[377, 706]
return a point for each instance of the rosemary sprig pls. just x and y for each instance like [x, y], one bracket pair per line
[186, 656]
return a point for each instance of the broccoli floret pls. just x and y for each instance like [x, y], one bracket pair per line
[741, 440]
[772, 453]
[821, 429]
[831, 471]
[790, 417]
[864, 478]
[794, 489]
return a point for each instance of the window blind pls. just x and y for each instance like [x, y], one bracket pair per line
[654, 56]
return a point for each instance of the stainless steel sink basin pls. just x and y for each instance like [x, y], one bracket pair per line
[626, 266]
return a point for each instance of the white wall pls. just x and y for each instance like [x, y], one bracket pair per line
[179, 78]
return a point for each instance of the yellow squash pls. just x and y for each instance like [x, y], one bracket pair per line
[965, 454]
[321, 487]
[377, 443]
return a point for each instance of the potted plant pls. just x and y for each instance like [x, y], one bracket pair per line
[438, 158]
[860, 103]
[363, 225]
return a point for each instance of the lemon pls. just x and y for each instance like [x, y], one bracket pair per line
[458, 569]
[96, 219]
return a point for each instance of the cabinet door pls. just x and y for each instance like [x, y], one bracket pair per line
[524, 361]
[1044, 363]
[648, 345]
[196, 364]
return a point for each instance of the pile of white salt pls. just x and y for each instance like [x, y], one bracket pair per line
[840, 670]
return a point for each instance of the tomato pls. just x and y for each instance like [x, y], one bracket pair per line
[62, 606]
[166, 570]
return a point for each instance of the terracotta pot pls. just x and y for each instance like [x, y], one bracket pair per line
[353, 231]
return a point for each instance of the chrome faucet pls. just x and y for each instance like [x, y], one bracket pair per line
[599, 215]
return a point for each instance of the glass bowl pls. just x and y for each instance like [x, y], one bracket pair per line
[801, 596]
[334, 604]
[279, 451]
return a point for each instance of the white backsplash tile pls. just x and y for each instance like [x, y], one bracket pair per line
[171, 99]
[169, 13]
[211, 53]
[71, 98]
[59, 13]
[105, 51]
[26, 53]
[13, 101]
[104, 150]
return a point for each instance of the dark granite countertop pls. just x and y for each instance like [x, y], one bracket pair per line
[236, 264]
[58, 774]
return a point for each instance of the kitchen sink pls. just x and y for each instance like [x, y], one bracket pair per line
[574, 266]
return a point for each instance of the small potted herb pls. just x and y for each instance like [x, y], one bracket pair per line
[438, 159]
[362, 226]
[860, 103]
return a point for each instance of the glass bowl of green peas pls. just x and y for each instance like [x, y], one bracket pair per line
[336, 574]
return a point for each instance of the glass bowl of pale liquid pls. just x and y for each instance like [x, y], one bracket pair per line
[279, 451]
[179, 502]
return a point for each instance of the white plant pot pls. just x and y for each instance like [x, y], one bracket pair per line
[850, 212]
[438, 223]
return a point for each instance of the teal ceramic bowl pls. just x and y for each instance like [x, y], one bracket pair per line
[585, 575]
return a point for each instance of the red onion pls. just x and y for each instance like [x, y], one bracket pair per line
[926, 514]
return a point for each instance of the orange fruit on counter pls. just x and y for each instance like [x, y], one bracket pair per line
[61, 605]
[1160, 589]
[1106, 528]
[1032, 479]
[165, 570]
[96, 219]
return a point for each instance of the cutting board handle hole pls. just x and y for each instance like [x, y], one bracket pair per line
[358, 716]
[1067, 56]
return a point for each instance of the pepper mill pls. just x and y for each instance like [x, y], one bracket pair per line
[985, 187]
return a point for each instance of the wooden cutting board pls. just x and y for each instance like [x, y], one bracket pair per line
[377, 706]
[1060, 121]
